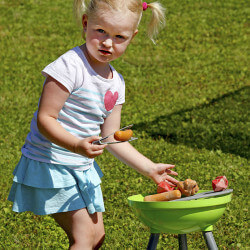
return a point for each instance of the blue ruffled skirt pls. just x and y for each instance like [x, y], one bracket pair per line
[44, 188]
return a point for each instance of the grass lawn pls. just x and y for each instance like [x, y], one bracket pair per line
[188, 97]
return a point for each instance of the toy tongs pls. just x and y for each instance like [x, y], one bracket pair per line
[113, 142]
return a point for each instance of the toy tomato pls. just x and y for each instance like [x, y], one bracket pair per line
[164, 187]
[220, 183]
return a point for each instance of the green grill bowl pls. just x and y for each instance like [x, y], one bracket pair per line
[179, 217]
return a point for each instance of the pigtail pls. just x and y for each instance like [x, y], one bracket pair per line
[157, 20]
[79, 8]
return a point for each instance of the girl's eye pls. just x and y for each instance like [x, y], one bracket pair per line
[101, 31]
[119, 36]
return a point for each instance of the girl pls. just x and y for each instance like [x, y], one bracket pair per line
[82, 97]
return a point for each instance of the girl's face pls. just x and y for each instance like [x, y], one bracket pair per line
[108, 34]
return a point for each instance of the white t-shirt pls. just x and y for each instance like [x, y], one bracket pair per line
[92, 99]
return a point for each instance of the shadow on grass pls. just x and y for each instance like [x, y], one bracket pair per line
[221, 124]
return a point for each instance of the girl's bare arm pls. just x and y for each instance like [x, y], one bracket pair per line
[131, 157]
[52, 100]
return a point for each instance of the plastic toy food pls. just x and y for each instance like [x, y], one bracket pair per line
[220, 183]
[123, 135]
[164, 187]
[165, 196]
[167, 192]
[188, 187]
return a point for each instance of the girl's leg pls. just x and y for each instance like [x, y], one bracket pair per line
[84, 230]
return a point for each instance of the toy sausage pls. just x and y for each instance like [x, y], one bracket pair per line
[166, 196]
[123, 135]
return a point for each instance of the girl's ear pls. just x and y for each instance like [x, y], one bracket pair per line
[84, 22]
[135, 33]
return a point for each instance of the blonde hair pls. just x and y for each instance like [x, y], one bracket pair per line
[90, 7]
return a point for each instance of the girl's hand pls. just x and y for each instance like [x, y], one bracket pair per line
[86, 147]
[161, 172]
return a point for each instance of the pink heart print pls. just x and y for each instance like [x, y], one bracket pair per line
[110, 100]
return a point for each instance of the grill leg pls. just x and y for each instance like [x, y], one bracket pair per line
[209, 238]
[182, 241]
[153, 241]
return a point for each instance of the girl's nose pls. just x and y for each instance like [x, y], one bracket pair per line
[107, 42]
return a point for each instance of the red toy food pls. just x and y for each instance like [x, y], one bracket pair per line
[166, 196]
[123, 135]
[164, 187]
[220, 183]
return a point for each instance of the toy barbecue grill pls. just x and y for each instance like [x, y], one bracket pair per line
[182, 216]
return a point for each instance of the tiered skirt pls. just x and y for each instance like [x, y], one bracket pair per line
[45, 188]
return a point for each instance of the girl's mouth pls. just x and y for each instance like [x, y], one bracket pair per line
[105, 52]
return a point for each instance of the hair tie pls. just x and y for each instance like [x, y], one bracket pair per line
[144, 6]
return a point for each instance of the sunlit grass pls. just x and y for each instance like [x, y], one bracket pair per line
[188, 97]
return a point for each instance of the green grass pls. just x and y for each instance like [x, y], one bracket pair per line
[188, 97]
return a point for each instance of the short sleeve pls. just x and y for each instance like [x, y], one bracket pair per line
[121, 96]
[64, 70]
